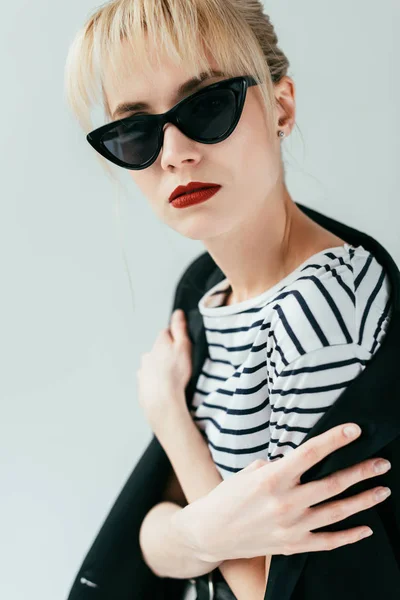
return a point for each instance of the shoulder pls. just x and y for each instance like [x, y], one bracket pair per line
[341, 298]
[201, 262]
[192, 283]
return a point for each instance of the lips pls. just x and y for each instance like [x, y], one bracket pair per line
[196, 190]
[193, 186]
[196, 197]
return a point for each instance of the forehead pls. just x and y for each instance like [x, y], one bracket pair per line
[126, 79]
[185, 88]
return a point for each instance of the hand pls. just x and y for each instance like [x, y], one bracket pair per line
[165, 372]
[265, 510]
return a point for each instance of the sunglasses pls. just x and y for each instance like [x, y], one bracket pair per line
[208, 116]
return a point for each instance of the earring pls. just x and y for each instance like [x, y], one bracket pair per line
[281, 133]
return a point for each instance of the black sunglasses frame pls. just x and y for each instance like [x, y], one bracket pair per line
[238, 85]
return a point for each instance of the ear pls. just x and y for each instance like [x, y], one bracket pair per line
[285, 96]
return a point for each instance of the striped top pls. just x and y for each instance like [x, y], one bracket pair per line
[279, 360]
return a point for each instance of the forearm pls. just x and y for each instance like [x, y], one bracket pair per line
[188, 454]
[198, 475]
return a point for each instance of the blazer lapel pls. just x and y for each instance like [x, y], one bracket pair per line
[198, 338]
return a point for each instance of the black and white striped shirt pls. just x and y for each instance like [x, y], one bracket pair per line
[279, 360]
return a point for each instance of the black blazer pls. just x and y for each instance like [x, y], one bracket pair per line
[114, 569]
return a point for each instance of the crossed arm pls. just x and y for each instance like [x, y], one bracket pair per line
[185, 447]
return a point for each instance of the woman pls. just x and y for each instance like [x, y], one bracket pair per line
[300, 311]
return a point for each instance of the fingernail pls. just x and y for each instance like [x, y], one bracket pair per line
[381, 466]
[383, 493]
[351, 431]
[366, 533]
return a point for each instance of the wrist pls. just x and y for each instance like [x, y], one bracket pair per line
[173, 417]
[188, 530]
[175, 430]
[185, 532]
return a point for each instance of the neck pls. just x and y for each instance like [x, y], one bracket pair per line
[268, 246]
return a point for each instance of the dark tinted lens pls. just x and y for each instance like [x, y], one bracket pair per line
[133, 142]
[206, 117]
[210, 115]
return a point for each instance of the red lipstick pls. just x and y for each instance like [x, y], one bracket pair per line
[194, 197]
[191, 187]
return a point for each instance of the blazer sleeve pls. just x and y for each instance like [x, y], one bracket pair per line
[113, 566]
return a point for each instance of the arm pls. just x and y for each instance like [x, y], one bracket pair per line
[165, 548]
[198, 475]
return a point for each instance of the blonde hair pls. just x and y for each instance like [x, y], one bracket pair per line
[179, 28]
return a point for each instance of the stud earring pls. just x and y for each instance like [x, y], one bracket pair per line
[281, 133]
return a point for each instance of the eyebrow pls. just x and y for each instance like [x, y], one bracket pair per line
[183, 89]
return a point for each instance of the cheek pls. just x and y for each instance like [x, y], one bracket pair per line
[251, 141]
[252, 154]
[145, 182]
[148, 182]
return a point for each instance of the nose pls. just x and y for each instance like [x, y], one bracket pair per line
[177, 147]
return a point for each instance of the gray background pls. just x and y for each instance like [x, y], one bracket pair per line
[75, 321]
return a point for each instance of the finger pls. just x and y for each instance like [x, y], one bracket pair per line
[337, 510]
[334, 484]
[310, 453]
[176, 316]
[178, 324]
[326, 541]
